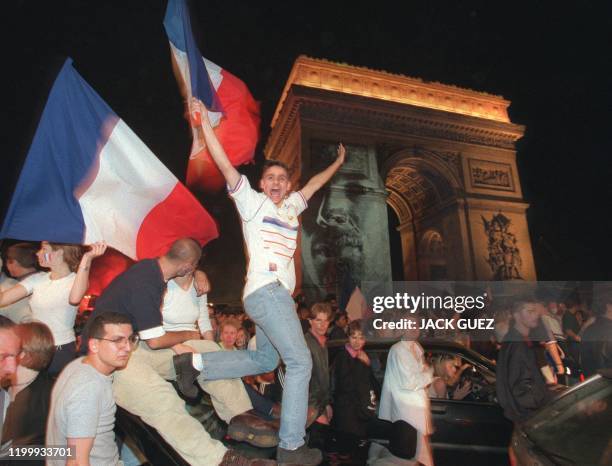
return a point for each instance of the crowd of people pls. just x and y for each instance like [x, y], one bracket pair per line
[178, 342]
[535, 342]
[267, 368]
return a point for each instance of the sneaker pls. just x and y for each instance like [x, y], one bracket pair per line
[233, 458]
[250, 428]
[186, 374]
[302, 456]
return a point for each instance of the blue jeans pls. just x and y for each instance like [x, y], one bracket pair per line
[279, 332]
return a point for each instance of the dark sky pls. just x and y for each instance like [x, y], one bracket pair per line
[552, 61]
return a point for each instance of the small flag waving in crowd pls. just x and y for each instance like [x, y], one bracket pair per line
[233, 112]
[87, 177]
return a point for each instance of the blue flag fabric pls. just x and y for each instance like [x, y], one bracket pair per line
[178, 29]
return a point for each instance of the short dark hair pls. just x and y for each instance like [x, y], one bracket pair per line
[355, 326]
[519, 303]
[184, 249]
[6, 323]
[96, 329]
[571, 301]
[23, 253]
[273, 163]
[339, 315]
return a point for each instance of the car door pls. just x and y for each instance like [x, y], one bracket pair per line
[470, 431]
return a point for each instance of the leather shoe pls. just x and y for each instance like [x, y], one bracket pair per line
[186, 374]
[233, 458]
[302, 456]
[248, 427]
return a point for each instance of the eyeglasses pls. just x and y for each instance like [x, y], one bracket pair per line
[133, 340]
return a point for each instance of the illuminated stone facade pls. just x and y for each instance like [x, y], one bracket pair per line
[442, 157]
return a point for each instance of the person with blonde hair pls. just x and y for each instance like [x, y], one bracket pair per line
[228, 332]
[55, 295]
[447, 373]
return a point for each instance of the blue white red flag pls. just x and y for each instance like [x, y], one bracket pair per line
[87, 177]
[233, 112]
[188, 58]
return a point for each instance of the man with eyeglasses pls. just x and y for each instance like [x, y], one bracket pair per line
[82, 413]
[142, 388]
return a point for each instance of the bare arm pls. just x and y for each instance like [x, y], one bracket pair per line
[453, 380]
[553, 350]
[12, 295]
[318, 181]
[81, 449]
[169, 339]
[231, 175]
[81, 281]
[439, 387]
[201, 282]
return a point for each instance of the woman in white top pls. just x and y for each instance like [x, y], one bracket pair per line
[183, 308]
[404, 394]
[55, 295]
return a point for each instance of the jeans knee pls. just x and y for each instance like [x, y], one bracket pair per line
[269, 362]
[300, 362]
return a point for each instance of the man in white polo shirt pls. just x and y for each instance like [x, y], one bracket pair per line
[270, 226]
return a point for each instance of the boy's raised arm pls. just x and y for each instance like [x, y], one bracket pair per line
[231, 175]
[316, 182]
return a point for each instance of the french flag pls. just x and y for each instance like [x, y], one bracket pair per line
[233, 112]
[87, 177]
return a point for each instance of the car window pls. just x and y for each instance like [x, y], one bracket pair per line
[479, 383]
[464, 380]
[575, 429]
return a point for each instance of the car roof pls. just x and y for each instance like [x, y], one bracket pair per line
[605, 373]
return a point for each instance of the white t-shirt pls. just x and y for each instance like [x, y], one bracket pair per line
[50, 304]
[83, 406]
[182, 308]
[553, 326]
[270, 234]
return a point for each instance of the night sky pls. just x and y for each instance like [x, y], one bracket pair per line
[552, 61]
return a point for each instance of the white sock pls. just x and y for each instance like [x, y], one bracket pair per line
[196, 361]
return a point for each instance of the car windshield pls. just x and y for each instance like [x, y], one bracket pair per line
[576, 427]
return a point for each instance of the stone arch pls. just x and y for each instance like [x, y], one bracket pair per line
[432, 252]
[421, 187]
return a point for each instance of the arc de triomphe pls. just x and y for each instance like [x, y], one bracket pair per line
[442, 157]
